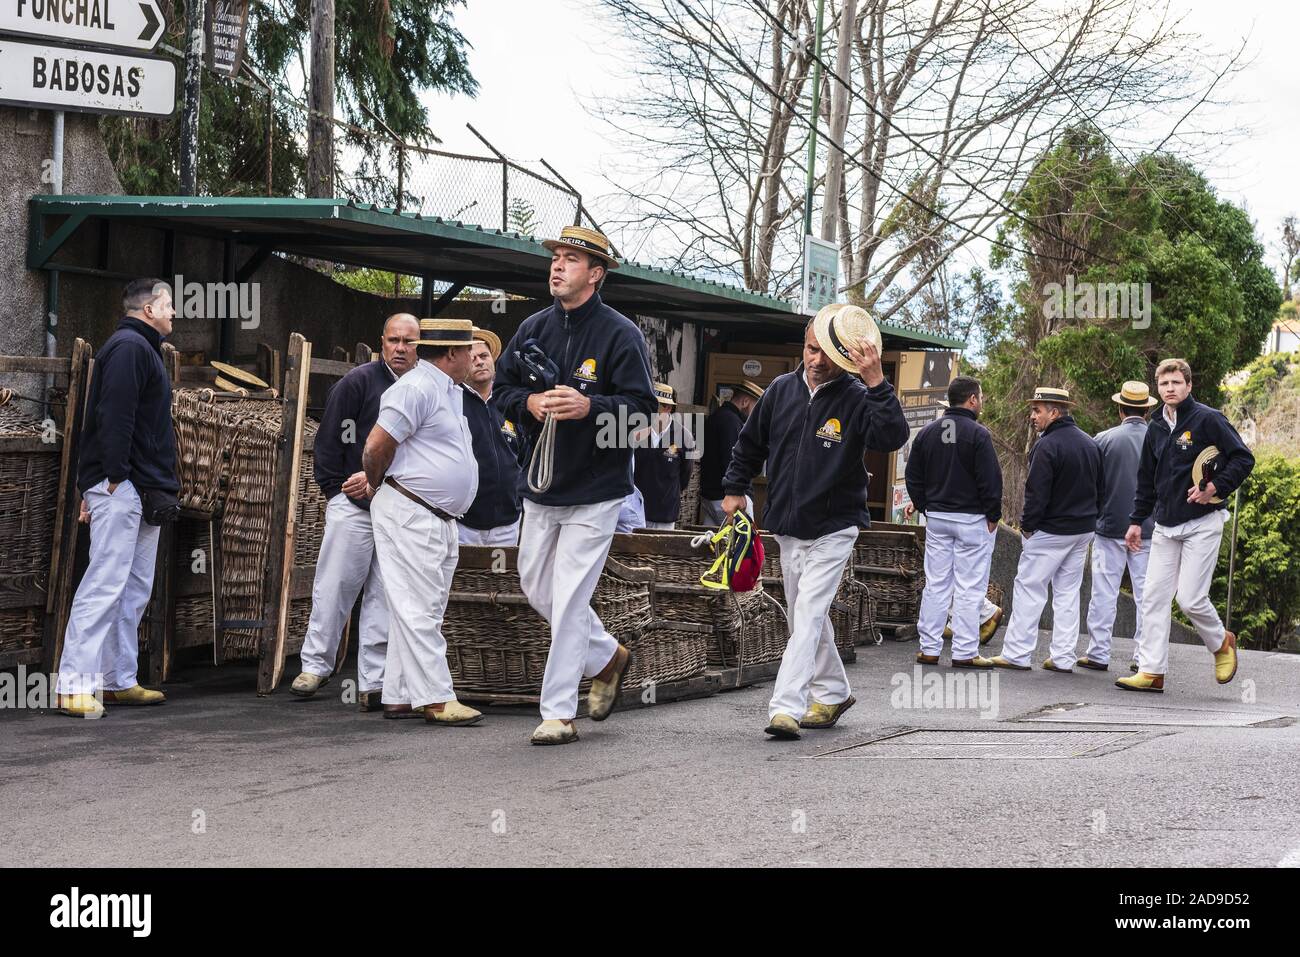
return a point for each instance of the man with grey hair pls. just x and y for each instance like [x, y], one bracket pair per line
[347, 561]
[127, 477]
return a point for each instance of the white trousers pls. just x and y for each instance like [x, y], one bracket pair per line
[346, 563]
[1181, 565]
[958, 557]
[1047, 559]
[417, 557]
[561, 555]
[102, 643]
[501, 535]
[711, 513]
[1110, 556]
[811, 665]
[661, 526]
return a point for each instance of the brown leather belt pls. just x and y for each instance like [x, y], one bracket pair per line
[445, 516]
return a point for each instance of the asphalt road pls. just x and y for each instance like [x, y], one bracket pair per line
[218, 776]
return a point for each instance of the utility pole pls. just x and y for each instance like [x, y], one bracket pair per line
[839, 121]
[190, 105]
[816, 108]
[320, 100]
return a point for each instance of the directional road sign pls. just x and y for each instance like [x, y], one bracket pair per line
[133, 24]
[87, 81]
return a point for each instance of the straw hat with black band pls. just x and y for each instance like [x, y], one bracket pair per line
[840, 325]
[446, 332]
[586, 240]
[1049, 394]
[1135, 395]
[234, 379]
[665, 394]
[491, 340]
[750, 388]
[1204, 468]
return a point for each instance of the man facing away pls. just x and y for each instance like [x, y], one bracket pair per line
[1121, 452]
[603, 370]
[813, 427]
[1184, 486]
[721, 430]
[128, 451]
[1063, 496]
[347, 563]
[421, 475]
[953, 477]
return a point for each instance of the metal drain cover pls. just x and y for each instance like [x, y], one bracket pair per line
[992, 744]
[1084, 713]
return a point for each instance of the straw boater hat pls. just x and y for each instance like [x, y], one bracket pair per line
[233, 378]
[492, 340]
[665, 394]
[840, 325]
[446, 332]
[1135, 394]
[1048, 394]
[1205, 467]
[750, 388]
[587, 240]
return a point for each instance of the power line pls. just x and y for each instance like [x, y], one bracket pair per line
[915, 143]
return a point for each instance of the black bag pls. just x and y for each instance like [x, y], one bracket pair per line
[159, 506]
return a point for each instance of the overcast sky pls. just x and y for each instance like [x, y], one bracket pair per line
[535, 61]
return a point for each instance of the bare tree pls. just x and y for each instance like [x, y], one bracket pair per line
[952, 101]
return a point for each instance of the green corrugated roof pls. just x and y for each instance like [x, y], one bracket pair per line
[381, 238]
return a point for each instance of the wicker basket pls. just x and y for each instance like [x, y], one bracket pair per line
[689, 507]
[891, 564]
[29, 486]
[748, 627]
[852, 613]
[497, 644]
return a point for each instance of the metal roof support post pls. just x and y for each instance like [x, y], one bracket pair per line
[226, 336]
[426, 297]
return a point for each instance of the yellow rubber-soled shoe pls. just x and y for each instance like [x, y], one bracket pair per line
[947, 632]
[1050, 665]
[1225, 659]
[307, 684]
[81, 706]
[1000, 662]
[552, 731]
[1142, 682]
[453, 715]
[821, 715]
[1086, 662]
[990, 627]
[783, 728]
[134, 695]
[977, 662]
[603, 694]
[924, 659]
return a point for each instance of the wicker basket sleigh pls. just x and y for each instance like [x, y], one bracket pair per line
[852, 609]
[228, 451]
[890, 563]
[497, 644]
[746, 628]
[29, 487]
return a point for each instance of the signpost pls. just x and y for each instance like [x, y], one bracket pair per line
[86, 81]
[226, 22]
[821, 270]
[134, 25]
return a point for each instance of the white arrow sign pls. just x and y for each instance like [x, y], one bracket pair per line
[134, 24]
[87, 81]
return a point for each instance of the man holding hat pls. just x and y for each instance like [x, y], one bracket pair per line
[1064, 491]
[1121, 452]
[421, 475]
[347, 561]
[953, 476]
[721, 429]
[575, 372]
[662, 468]
[1192, 460]
[813, 427]
[499, 446]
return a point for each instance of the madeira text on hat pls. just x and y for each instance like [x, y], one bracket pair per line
[664, 394]
[446, 332]
[840, 325]
[1045, 393]
[1136, 394]
[588, 240]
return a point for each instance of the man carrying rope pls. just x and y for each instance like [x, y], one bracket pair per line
[813, 426]
[576, 372]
